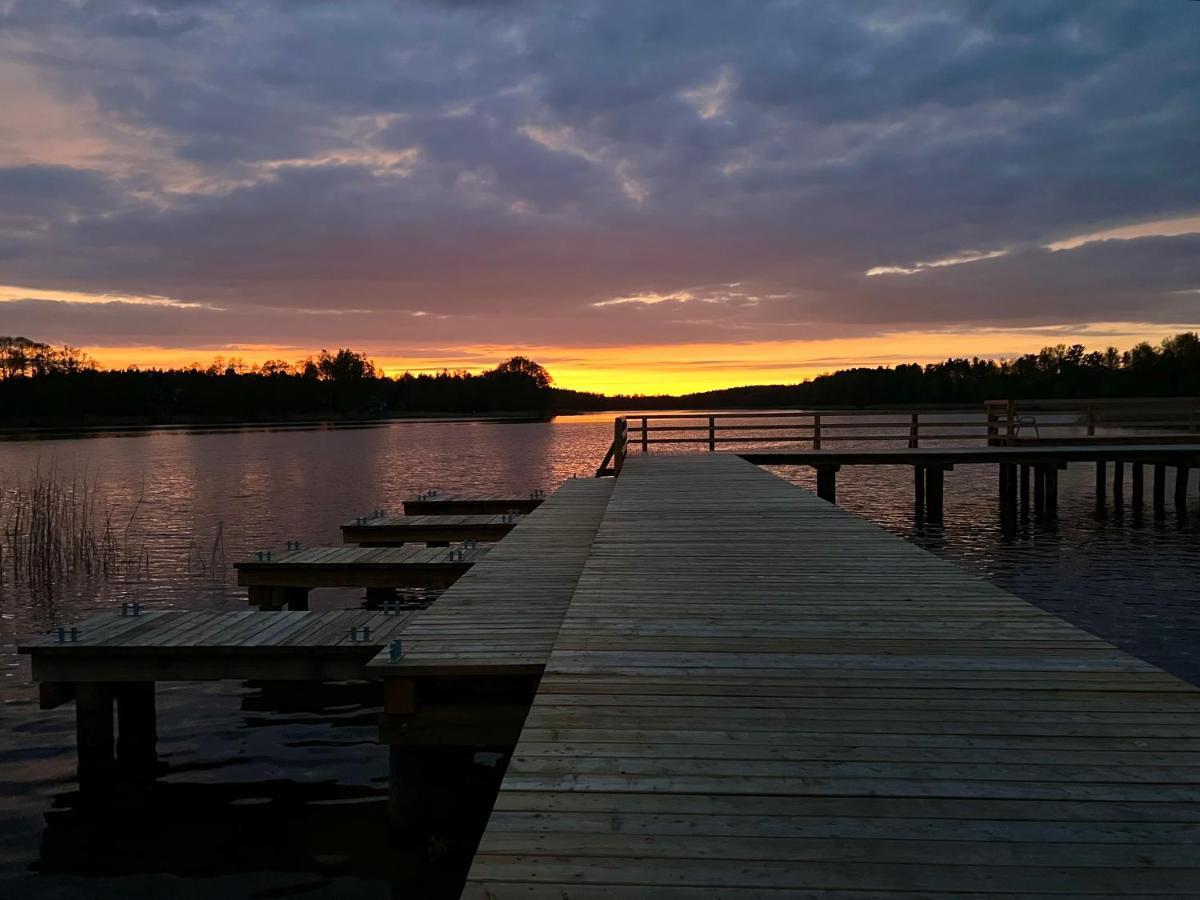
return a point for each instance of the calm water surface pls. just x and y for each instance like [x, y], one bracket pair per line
[264, 797]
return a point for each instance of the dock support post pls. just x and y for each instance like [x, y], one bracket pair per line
[1118, 483]
[1138, 485]
[273, 599]
[407, 785]
[137, 729]
[1024, 489]
[934, 492]
[1101, 483]
[1039, 490]
[1051, 491]
[1181, 486]
[94, 734]
[377, 596]
[1160, 488]
[919, 490]
[827, 483]
[1008, 491]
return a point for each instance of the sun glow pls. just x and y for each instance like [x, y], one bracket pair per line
[683, 368]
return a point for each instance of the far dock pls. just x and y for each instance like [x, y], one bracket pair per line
[395, 531]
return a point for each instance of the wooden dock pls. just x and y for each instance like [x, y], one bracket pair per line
[279, 580]
[114, 659]
[710, 682]
[439, 504]
[755, 693]
[471, 662]
[395, 531]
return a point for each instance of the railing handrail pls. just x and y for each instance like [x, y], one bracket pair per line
[997, 422]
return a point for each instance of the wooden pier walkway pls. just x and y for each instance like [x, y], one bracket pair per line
[285, 578]
[756, 694]
[393, 531]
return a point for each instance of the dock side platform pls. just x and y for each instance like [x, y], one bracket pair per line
[469, 665]
[284, 579]
[117, 658]
[756, 694]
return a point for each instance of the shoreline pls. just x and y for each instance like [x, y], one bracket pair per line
[131, 427]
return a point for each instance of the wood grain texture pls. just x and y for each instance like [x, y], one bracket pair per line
[754, 693]
[504, 614]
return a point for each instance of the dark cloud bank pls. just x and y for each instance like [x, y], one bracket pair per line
[491, 171]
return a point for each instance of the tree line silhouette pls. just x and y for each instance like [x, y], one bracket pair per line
[40, 384]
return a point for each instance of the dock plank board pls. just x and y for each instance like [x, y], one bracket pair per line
[503, 615]
[754, 693]
[396, 530]
[410, 566]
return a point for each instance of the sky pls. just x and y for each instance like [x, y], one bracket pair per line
[643, 196]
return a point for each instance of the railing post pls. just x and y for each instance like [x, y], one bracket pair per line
[914, 432]
[620, 443]
[712, 433]
[1011, 429]
[645, 436]
[816, 431]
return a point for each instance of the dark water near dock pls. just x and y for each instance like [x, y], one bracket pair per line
[265, 797]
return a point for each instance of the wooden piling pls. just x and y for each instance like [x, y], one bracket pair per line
[377, 596]
[1181, 486]
[94, 734]
[827, 483]
[1025, 488]
[934, 491]
[1101, 482]
[1118, 482]
[1138, 485]
[1160, 488]
[1051, 491]
[137, 728]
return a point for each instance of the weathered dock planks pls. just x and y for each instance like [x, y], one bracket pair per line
[504, 614]
[754, 693]
[391, 531]
[471, 504]
[169, 645]
[378, 569]
[472, 661]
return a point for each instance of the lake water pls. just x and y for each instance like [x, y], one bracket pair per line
[265, 798]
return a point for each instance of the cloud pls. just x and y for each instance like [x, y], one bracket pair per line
[1161, 228]
[967, 256]
[561, 173]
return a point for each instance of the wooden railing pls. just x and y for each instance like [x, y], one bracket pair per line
[815, 428]
[1164, 420]
[998, 423]
[614, 459]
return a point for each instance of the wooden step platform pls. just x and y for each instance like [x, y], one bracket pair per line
[393, 531]
[470, 662]
[171, 645]
[379, 569]
[439, 504]
[756, 694]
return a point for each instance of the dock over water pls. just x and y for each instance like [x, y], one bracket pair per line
[755, 693]
[707, 681]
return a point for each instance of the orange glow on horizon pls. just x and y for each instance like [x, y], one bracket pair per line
[684, 368]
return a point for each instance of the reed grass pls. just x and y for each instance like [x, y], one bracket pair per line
[52, 529]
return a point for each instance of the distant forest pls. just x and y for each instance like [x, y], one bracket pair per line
[44, 385]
